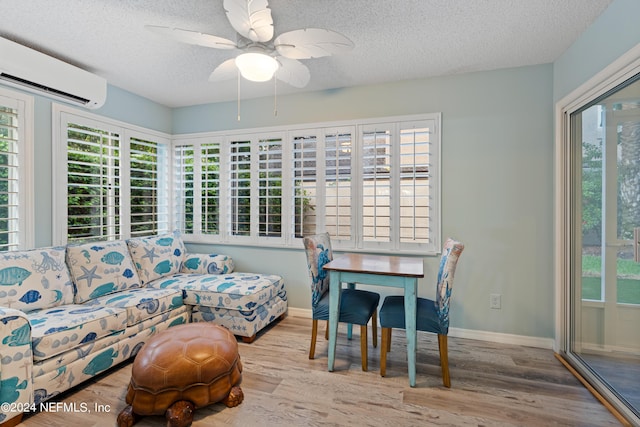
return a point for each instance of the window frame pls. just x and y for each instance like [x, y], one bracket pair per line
[26, 183]
[320, 131]
[63, 115]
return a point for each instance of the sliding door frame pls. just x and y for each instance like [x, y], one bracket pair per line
[621, 70]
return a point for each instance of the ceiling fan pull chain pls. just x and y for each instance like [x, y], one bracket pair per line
[275, 96]
[238, 94]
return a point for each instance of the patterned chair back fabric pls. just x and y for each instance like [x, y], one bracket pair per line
[450, 253]
[319, 253]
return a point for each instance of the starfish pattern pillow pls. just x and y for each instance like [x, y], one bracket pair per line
[101, 268]
[157, 257]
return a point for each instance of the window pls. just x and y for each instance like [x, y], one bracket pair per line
[270, 187]
[196, 167]
[240, 188]
[373, 185]
[183, 182]
[376, 183]
[305, 167]
[115, 179]
[148, 170]
[210, 198]
[338, 197]
[16, 183]
[93, 183]
[415, 183]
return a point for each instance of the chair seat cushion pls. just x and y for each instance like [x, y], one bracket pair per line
[392, 315]
[356, 306]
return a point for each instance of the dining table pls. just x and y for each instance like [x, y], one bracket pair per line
[379, 270]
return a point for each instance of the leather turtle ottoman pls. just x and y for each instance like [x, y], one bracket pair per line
[181, 369]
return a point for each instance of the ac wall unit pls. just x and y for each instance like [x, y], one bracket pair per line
[36, 72]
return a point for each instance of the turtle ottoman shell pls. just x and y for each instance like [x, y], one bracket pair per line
[197, 362]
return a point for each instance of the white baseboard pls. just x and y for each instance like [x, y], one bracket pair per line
[524, 340]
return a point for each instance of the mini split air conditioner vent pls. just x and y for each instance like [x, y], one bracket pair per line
[36, 72]
[32, 85]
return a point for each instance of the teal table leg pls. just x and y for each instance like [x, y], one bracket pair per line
[334, 305]
[350, 325]
[410, 326]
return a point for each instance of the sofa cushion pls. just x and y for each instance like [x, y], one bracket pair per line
[158, 256]
[237, 291]
[141, 303]
[35, 279]
[240, 322]
[58, 329]
[207, 264]
[101, 268]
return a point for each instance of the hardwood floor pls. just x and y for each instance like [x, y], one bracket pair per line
[491, 385]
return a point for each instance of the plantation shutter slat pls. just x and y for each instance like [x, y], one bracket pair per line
[376, 184]
[183, 187]
[338, 179]
[210, 178]
[415, 190]
[149, 201]
[240, 188]
[270, 187]
[305, 168]
[9, 177]
[93, 176]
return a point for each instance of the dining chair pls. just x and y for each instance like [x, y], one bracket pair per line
[432, 316]
[356, 306]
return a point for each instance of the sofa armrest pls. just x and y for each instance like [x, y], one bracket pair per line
[16, 363]
[207, 264]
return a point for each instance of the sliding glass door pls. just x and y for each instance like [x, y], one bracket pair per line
[604, 295]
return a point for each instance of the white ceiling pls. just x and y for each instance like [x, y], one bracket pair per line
[394, 40]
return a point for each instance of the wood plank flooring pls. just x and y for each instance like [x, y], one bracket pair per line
[492, 385]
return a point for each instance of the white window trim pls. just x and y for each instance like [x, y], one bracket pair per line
[60, 118]
[26, 198]
[287, 241]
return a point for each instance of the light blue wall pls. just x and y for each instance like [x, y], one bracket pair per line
[614, 32]
[497, 195]
[130, 108]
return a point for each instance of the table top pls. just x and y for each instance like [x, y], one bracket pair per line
[378, 264]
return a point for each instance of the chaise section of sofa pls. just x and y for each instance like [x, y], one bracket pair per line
[243, 302]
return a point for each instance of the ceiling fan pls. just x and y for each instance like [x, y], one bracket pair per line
[261, 57]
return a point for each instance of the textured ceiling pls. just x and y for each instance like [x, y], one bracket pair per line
[394, 39]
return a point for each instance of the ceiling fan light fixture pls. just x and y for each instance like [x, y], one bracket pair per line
[257, 67]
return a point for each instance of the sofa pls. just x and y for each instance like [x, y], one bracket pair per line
[69, 313]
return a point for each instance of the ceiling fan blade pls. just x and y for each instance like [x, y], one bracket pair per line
[192, 37]
[311, 43]
[225, 71]
[251, 18]
[293, 72]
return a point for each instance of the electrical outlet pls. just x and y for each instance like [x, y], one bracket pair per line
[495, 301]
